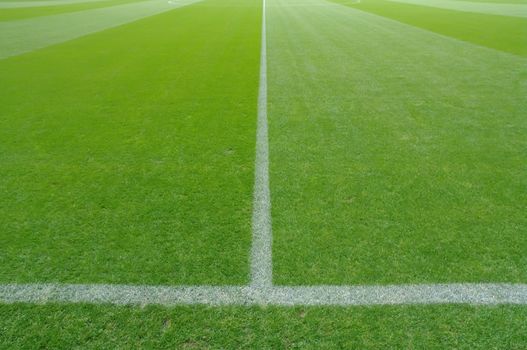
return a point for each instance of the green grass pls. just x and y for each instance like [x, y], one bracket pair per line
[127, 156]
[500, 1]
[498, 32]
[410, 327]
[397, 156]
[10, 14]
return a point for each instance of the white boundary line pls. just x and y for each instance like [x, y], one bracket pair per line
[478, 294]
[261, 251]
[261, 291]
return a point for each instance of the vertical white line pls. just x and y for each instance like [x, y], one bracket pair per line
[261, 252]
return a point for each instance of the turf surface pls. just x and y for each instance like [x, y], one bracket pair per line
[410, 327]
[10, 14]
[26, 35]
[500, 1]
[126, 159]
[397, 155]
[497, 32]
[502, 9]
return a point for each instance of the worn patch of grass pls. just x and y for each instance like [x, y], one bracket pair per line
[498, 32]
[127, 156]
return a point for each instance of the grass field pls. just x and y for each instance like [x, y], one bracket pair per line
[395, 167]
[473, 27]
[13, 13]
[143, 184]
[248, 174]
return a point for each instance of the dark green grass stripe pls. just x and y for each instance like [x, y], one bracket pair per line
[498, 32]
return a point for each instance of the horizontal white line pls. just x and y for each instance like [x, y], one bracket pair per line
[482, 294]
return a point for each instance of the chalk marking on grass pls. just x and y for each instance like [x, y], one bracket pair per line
[261, 291]
[477, 294]
[482, 294]
[261, 250]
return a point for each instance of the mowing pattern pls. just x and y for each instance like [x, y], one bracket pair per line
[22, 4]
[27, 35]
[481, 29]
[19, 4]
[514, 10]
[112, 169]
[303, 119]
[17, 13]
[397, 155]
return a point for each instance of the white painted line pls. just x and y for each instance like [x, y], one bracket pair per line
[261, 251]
[483, 294]
[121, 294]
[477, 294]
[261, 291]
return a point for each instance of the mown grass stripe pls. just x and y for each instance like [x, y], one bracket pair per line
[19, 4]
[500, 9]
[26, 35]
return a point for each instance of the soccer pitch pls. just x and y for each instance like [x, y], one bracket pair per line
[263, 174]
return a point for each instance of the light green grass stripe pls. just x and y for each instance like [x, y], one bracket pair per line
[19, 4]
[514, 10]
[478, 294]
[17, 37]
[377, 129]
[498, 32]
[20, 13]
